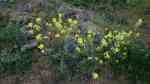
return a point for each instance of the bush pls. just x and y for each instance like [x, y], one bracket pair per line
[137, 64]
[79, 52]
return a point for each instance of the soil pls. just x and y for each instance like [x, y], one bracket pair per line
[41, 74]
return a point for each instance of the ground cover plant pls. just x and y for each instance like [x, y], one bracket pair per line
[79, 41]
[70, 47]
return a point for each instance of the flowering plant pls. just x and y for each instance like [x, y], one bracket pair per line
[73, 49]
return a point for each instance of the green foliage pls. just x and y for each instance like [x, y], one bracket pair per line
[74, 51]
[12, 59]
[112, 3]
[84, 2]
[7, 1]
[10, 33]
[126, 3]
[137, 63]
[114, 45]
[15, 61]
[133, 2]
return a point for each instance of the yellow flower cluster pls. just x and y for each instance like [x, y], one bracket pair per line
[115, 42]
[56, 25]
[62, 26]
[90, 34]
[95, 75]
[35, 26]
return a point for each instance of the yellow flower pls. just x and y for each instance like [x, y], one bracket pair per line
[30, 25]
[36, 28]
[54, 20]
[80, 40]
[137, 34]
[57, 35]
[58, 25]
[120, 36]
[98, 48]
[48, 24]
[95, 75]
[45, 37]
[109, 35]
[75, 22]
[60, 15]
[104, 43]
[70, 20]
[115, 50]
[89, 36]
[38, 20]
[106, 55]
[77, 49]
[101, 61]
[39, 37]
[40, 46]
[62, 31]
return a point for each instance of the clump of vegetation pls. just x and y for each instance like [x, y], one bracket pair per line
[82, 52]
[51, 29]
[74, 51]
[12, 59]
[7, 3]
[113, 3]
[136, 64]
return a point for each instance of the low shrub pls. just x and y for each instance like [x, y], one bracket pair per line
[78, 52]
